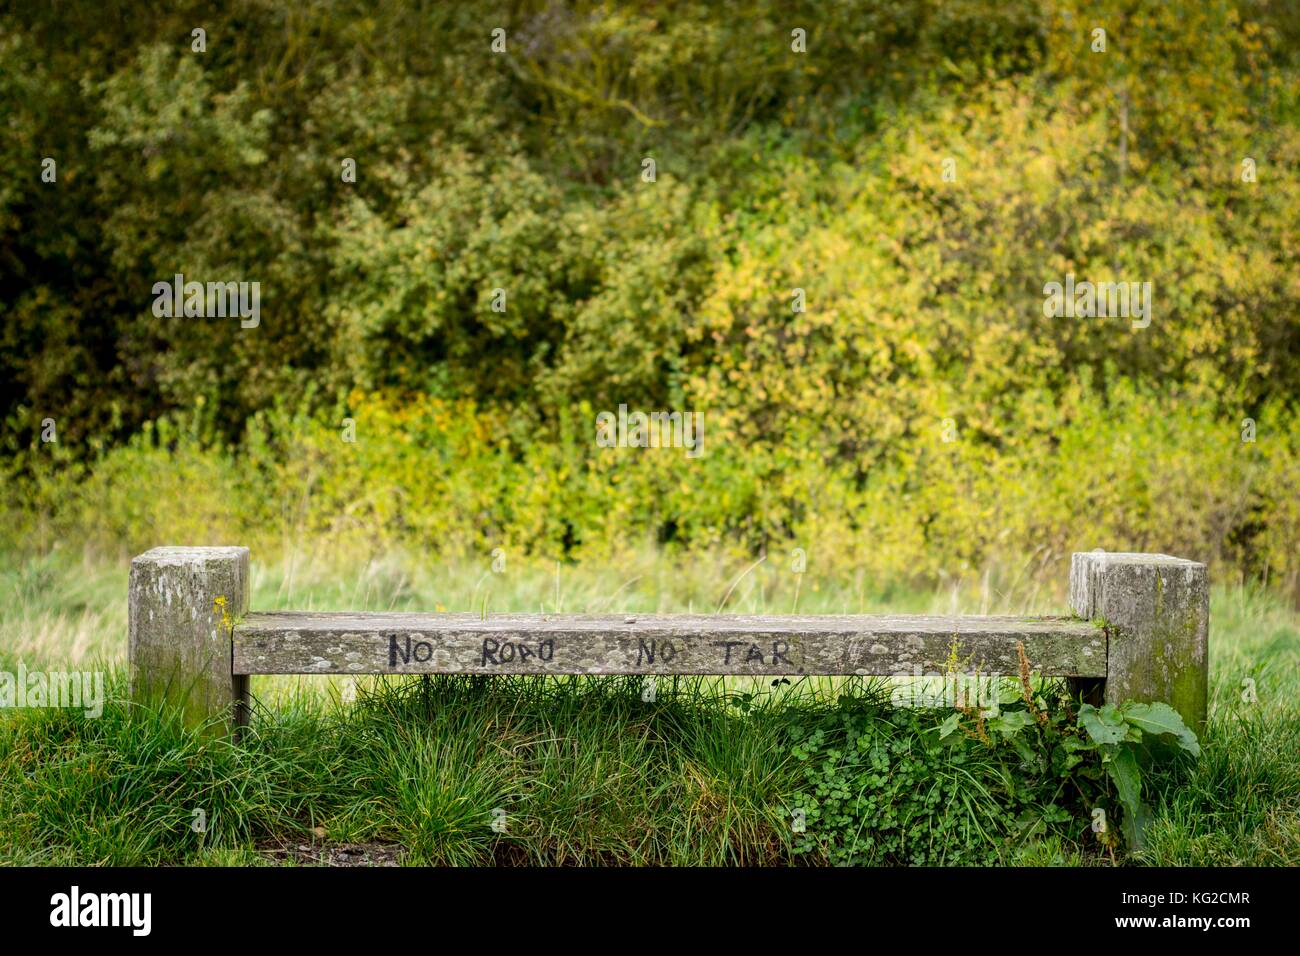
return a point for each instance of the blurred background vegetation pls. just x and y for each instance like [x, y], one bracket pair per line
[775, 171]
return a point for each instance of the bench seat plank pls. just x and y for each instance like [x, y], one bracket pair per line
[297, 642]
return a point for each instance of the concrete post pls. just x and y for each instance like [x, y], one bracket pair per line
[184, 603]
[1157, 611]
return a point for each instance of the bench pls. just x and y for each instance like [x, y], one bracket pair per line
[1139, 631]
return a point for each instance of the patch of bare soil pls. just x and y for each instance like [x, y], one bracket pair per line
[337, 854]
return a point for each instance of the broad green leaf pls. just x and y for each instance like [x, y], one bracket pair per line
[949, 725]
[1010, 722]
[1009, 693]
[1092, 720]
[1123, 768]
[1159, 719]
[1025, 752]
[1110, 714]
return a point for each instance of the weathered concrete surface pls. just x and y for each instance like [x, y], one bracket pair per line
[1156, 609]
[406, 643]
[182, 609]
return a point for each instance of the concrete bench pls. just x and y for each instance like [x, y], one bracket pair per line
[1139, 631]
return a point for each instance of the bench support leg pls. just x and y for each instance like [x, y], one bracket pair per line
[183, 605]
[1156, 610]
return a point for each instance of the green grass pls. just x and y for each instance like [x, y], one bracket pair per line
[585, 771]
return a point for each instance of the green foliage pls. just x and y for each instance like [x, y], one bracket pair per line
[457, 478]
[878, 794]
[592, 774]
[1123, 736]
[425, 762]
[888, 786]
[776, 171]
